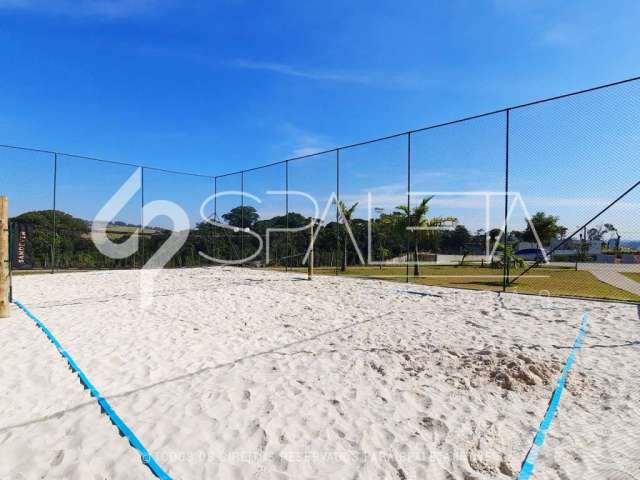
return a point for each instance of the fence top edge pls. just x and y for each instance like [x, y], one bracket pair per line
[344, 147]
[443, 124]
[102, 160]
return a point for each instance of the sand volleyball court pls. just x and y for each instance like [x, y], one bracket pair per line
[234, 373]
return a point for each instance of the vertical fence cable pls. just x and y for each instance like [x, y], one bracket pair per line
[407, 244]
[242, 215]
[12, 228]
[286, 217]
[142, 217]
[506, 258]
[55, 191]
[215, 217]
[338, 212]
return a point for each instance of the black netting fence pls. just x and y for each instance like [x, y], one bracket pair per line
[27, 178]
[311, 199]
[163, 192]
[540, 198]
[264, 216]
[78, 205]
[574, 211]
[458, 173]
[373, 188]
[226, 221]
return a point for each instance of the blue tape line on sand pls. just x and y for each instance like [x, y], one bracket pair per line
[530, 461]
[147, 459]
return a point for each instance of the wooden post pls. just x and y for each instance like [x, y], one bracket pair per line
[4, 257]
[311, 248]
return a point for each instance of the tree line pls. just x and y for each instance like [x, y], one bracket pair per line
[394, 235]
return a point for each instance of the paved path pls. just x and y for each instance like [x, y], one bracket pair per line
[617, 267]
[612, 275]
[609, 273]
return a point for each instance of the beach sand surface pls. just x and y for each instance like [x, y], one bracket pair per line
[235, 373]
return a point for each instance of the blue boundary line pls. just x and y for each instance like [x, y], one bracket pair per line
[528, 465]
[147, 459]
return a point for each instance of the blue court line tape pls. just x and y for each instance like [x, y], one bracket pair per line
[147, 459]
[529, 462]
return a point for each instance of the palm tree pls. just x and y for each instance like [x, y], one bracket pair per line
[562, 231]
[416, 220]
[509, 257]
[344, 215]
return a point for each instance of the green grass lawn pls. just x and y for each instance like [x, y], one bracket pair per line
[632, 275]
[116, 232]
[543, 281]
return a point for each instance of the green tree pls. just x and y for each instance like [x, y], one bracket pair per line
[454, 241]
[508, 255]
[562, 231]
[245, 216]
[416, 221]
[546, 226]
[596, 234]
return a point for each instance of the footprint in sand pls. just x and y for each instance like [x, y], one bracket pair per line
[436, 428]
[57, 460]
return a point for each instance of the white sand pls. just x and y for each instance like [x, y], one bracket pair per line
[235, 373]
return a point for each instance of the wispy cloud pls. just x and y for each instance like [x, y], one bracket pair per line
[312, 74]
[86, 8]
[552, 24]
[358, 77]
[366, 78]
[558, 35]
[299, 141]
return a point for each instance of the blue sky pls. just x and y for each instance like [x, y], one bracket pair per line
[218, 86]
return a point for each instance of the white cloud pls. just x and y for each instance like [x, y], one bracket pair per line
[369, 78]
[303, 151]
[335, 76]
[372, 79]
[300, 142]
[85, 8]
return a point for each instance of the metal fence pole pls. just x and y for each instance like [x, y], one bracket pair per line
[337, 211]
[12, 232]
[310, 260]
[55, 193]
[5, 258]
[215, 217]
[506, 258]
[242, 214]
[142, 255]
[408, 246]
[286, 217]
